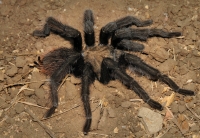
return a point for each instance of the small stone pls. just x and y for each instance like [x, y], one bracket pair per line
[19, 107]
[194, 128]
[126, 104]
[152, 120]
[10, 120]
[20, 61]
[12, 71]
[174, 107]
[160, 54]
[111, 113]
[28, 92]
[37, 76]
[41, 102]
[40, 93]
[168, 65]
[181, 108]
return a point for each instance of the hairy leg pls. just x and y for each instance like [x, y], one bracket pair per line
[140, 34]
[152, 73]
[57, 64]
[64, 31]
[87, 79]
[110, 69]
[129, 45]
[88, 28]
[127, 21]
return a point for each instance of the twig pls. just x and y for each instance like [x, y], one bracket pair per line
[75, 106]
[192, 112]
[136, 100]
[48, 131]
[22, 83]
[98, 134]
[31, 104]
[14, 100]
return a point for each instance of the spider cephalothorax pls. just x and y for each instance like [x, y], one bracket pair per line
[102, 62]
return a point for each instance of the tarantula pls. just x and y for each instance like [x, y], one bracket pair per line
[102, 62]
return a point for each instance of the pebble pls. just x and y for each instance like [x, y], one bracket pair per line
[37, 76]
[12, 112]
[19, 107]
[41, 102]
[28, 93]
[160, 54]
[190, 75]
[20, 61]
[167, 65]
[152, 120]
[126, 104]
[181, 108]
[40, 93]
[12, 71]
[10, 120]
[174, 107]
[194, 128]
[111, 113]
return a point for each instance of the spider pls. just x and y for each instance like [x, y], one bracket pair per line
[102, 62]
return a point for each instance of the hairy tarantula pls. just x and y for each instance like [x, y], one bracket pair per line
[102, 62]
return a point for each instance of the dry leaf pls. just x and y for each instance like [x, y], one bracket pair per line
[116, 130]
[168, 99]
[166, 89]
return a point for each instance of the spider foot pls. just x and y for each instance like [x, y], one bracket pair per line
[50, 112]
[186, 92]
[154, 104]
[87, 126]
[42, 33]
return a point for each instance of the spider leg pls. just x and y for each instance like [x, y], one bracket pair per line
[127, 21]
[129, 45]
[88, 28]
[110, 69]
[87, 79]
[60, 71]
[140, 34]
[152, 73]
[64, 31]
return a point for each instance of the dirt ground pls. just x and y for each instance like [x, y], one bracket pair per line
[24, 95]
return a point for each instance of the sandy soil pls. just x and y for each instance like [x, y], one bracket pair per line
[22, 86]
